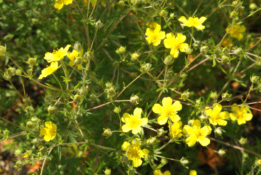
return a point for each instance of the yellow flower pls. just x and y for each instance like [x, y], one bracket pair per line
[167, 110]
[197, 134]
[154, 34]
[134, 153]
[57, 55]
[193, 172]
[76, 58]
[59, 3]
[133, 122]
[216, 117]
[49, 70]
[227, 42]
[158, 172]
[193, 22]
[175, 129]
[176, 44]
[259, 161]
[236, 31]
[241, 114]
[49, 131]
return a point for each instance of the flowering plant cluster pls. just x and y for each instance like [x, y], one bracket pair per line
[132, 87]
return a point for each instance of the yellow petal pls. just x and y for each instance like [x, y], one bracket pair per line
[193, 172]
[188, 130]
[48, 124]
[206, 130]
[217, 108]
[67, 2]
[136, 161]
[58, 5]
[125, 146]
[181, 38]
[202, 19]
[162, 120]
[224, 115]
[157, 108]
[183, 19]
[196, 124]
[166, 173]
[177, 105]
[136, 130]
[47, 138]
[183, 47]
[137, 112]
[167, 101]
[200, 27]
[204, 141]
[233, 116]
[125, 118]
[144, 121]
[222, 122]
[191, 140]
[126, 128]
[248, 116]
[42, 131]
[174, 117]
[174, 52]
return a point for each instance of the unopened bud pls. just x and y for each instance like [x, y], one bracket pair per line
[213, 95]
[185, 95]
[218, 131]
[107, 132]
[35, 119]
[172, 15]
[107, 171]
[2, 50]
[29, 124]
[184, 161]
[252, 6]
[254, 79]
[151, 140]
[134, 56]
[243, 141]
[204, 50]
[116, 64]
[18, 72]
[134, 100]
[12, 71]
[121, 50]
[77, 98]
[98, 25]
[121, 3]
[51, 108]
[238, 51]
[29, 109]
[188, 50]
[117, 110]
[164, 161]
[163, 13]
[168, 60]
[77, 46]
[221, 152]
[145, 67]
[160, 132]
[31, 62]
[233, 14]
[18, 152]
[203, 117]
[226, 96]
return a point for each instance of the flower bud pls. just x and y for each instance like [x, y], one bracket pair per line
[218, 131]
[163, 13]
[29, 109]
[116, 64]
[35, 119]
[88, 56]
[35, 141]
[168, 60]
[77, 46]
[107, 171]
[213, 95]
[145, 67]
[188, 50]
[7, 76]
[121, 50]
[51, 109]
[121, 3]
[134, 56]
[134, 100]
[196, 44]
[107, 132]
[233, 14]
[238, 51]
[204, 50]
[252, 6]
[93, 97]
[2, 51]
[221, 152]
[226, 96]
[164, 161]
[254, 79]
[224, 59]
[18, 72]
[160, 132]
[98, 25]
[29, 124]
[18, 152]
[12, 71]
[31, 62]
[203, 117]
[184, 161]
[6, 133]
[243, 141]
[77, 98]
[185, 95]
[117, 110]
[172, 16]
[151, 140]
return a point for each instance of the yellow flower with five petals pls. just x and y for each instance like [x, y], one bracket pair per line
[216, 117]
[158, 172]
[193, 22]
[241, 114]
[197, 134]
[175, 129]
[176, 44]
[49, 132]
[236, 31]
[133, 122]
[154, 34]
[133, 152]
[167, 110]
